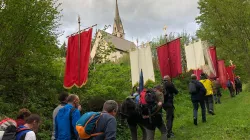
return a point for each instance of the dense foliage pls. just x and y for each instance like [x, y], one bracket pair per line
[32, 66]
[226, 25]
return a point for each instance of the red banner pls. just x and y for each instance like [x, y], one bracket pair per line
[222, 73]
[174, 51]
[169, 57]
[77, 60]
[212, 51]
[162, 53]
[197, 73]
[230, 74]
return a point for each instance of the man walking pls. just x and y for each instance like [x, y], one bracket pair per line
[198, 92]
[216, 90]
[231, 88]
[107, 122]
[169, 91]
[155, 119]
[66, 119]
[209, 93]
[63, 101]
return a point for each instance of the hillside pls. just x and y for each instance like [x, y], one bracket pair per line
[231, 121]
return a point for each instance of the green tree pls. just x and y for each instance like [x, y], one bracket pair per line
[226, 25]
[63, 50]
[28, 70]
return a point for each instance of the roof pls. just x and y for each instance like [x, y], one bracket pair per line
[119, 43]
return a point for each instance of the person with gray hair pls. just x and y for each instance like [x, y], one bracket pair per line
[107, 122]
[198, 92]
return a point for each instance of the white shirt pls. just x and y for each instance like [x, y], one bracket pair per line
[30, 136]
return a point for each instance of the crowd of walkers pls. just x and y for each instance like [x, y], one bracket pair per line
[143, 108]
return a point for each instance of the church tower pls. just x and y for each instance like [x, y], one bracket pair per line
[117, 27]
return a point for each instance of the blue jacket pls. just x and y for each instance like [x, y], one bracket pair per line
[201, 91]
[107, 125]
[63, 125]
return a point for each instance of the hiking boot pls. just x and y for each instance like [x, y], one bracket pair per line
[195, 122]
[211, 112]
[170, 135]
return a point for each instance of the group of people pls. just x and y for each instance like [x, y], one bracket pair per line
[67, 113]
[207, 91]
[234, 87]
[142, 108]
[23, 128]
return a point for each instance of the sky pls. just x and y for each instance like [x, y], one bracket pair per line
[142, 19]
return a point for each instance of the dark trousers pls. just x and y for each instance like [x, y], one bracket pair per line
[237, 90]
[195, 109]
[157, 122]
[133, 131]
[217, 98]
[170, 117]
[231, 90]
[209, 103]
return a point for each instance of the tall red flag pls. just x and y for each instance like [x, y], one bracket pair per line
[222, 73]
[212, 52]
[174, 51]
[230, 74]
[77, 60]
[84, 57]
[163, 57]
[169, 57]
[71, 69]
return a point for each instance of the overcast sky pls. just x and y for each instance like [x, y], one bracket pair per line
[142, 19]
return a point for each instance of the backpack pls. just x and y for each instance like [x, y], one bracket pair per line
[21, 132]
[143, 97]
[148, 103]
[86, 125]
[8, 129]
[150, 97]
[192, 88]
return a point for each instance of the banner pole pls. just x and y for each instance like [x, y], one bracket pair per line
[79, 50]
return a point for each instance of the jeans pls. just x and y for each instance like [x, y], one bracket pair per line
[133, 131]
[195, 109]
[209, 103]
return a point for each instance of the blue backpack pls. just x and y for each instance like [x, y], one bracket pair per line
[86, 125]
[21, 132]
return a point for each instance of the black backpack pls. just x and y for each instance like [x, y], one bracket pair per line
[192, 88]
[150, 96]
[150, 107]
[8, 129]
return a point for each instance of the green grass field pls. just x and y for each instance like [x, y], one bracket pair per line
[231, 122]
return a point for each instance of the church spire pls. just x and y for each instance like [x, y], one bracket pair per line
[118, 27]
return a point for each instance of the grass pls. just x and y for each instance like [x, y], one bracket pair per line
[231, 122]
